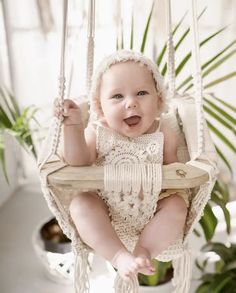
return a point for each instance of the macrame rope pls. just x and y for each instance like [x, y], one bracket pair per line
[53, 145]
[197, 76]
[90, 44]
[81, 279]
[122, 286]
[182, 272]
[62, 79]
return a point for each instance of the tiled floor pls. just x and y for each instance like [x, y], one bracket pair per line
[20, 269]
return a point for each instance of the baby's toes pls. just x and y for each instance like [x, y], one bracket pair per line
[149, 264]
[128, 275]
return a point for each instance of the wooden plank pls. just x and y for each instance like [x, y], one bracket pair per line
[177, 175]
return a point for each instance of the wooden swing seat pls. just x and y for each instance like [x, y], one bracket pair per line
[176, 175]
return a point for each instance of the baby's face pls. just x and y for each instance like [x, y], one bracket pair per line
[129, 100]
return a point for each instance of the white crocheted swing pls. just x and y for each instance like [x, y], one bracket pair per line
[197, 168]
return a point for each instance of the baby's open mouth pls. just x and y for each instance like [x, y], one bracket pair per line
[132, 120]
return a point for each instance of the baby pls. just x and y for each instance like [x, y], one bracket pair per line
[127, 99]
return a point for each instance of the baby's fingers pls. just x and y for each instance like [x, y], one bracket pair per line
[56, 112]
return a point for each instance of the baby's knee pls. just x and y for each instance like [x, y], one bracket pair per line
[79, 204]
[176, 206]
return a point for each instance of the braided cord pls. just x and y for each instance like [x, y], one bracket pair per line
[196, 71]
[62, 81]
[90, 44]
[197, 78]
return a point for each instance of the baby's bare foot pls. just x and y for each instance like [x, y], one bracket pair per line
[143, 260]
[145, 265]
[126, 264]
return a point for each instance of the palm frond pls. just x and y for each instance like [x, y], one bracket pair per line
[144, 40]
[220, 80]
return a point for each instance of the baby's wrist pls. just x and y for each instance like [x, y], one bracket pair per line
[74, 124]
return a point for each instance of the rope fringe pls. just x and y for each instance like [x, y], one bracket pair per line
[147, 177]
[122, 286]
[81, 281]
[182, 272]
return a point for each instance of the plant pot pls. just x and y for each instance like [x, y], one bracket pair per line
[163, 288]
[54, 250]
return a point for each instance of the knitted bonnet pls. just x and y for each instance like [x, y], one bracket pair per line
[118, 57]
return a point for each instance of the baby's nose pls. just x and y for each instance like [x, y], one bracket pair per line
[131, 103]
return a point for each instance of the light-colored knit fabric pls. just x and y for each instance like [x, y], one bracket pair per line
[132, 179]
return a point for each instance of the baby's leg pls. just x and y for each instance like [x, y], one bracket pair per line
[164, 228]
[91, 218]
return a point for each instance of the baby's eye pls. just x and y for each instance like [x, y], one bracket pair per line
[142, 93]
[117, 96]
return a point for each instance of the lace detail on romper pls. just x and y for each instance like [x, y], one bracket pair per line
[131, 209]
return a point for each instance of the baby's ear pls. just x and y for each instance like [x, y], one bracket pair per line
[98, 107]
[161, 102]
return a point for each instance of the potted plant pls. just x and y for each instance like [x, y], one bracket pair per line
[48, 238]
[16, 123]
[217, 109]
[218, 268]
[162, 277]
[54, 250]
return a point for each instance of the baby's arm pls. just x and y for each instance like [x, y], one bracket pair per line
[79, 147]
[170, 146]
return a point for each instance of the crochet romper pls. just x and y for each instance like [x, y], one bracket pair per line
[130, 211]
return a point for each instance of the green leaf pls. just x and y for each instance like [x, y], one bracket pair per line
[221, 79]
[201, 266]
[231, 107]
[184, 82]
[219, 248]
[5, 122]
[218, 63]
[146, 29]
[8, 105]
[221, 111]
[132, 33]
[215, 57]
[230, 266]
[231, 287]
[162, 53]
[219, 119]
[187, 57]
[203, 288]
[223, 189]
[221, 136]
[117, 43]
[14, 103]
[206, 64]
[222, 204]
[122, 36]
[223, 158]
[2, 157]
[184, 35]
[219, 283]
[208, 222]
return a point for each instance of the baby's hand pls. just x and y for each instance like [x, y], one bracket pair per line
[70, 112]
